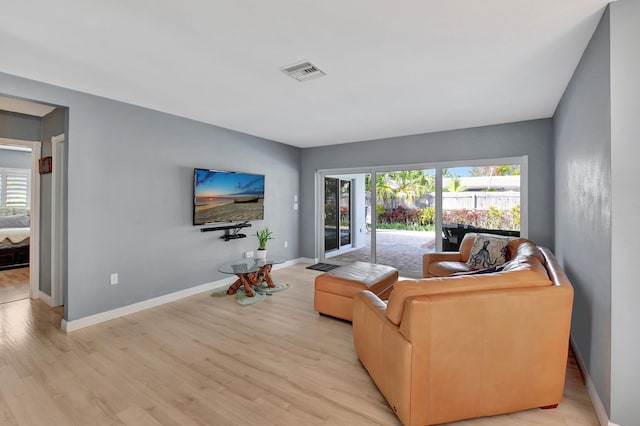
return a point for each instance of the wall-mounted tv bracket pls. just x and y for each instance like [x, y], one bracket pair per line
[228, 235]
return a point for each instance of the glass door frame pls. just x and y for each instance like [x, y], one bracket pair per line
[438, 166]
[339, 182]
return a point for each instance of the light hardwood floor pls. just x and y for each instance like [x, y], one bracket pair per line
[14, 284]
[208, 361]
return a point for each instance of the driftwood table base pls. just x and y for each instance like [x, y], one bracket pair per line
[252, 279]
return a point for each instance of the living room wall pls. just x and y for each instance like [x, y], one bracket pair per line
[625, 151]
[130, 180]
[20, 126]
[583, 204]
[532, 138]
[596, 133]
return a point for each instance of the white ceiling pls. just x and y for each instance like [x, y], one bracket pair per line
[393, 67]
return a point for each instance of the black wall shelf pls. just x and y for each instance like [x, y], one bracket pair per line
[228, 235]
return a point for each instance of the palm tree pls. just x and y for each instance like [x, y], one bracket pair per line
[409, 184]
[455, 185]
[384, 192]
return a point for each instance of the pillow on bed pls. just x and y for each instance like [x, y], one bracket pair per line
[16, 221]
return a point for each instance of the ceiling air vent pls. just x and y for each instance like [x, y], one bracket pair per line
[303, 71]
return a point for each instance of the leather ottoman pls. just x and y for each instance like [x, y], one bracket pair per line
[334, 290]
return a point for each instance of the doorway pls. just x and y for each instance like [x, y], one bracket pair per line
[19, 219]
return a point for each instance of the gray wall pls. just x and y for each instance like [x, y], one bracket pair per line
[19, 126]
[583, 204]
[130, 179]
[532, 138]
[15, 159]
[625, 152]
[53, 124]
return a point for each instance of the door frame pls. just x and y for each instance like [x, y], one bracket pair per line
[321, 174]
[57, 220]
[34, 226]
[341, 247]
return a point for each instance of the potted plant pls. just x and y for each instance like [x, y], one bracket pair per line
[263, 236]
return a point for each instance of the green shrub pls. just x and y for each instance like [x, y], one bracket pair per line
[428, 216]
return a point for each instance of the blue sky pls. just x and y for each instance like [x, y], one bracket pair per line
[211, 183]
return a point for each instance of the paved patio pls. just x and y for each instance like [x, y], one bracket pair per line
[401, 249]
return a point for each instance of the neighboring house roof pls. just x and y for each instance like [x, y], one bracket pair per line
[478, 183]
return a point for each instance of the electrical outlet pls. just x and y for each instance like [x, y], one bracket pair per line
[114, 279]
[248, 254]
[285, 244]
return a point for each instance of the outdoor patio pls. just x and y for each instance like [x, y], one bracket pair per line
[401, 249]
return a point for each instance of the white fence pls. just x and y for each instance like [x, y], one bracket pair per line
[469, 200]
[480, 200]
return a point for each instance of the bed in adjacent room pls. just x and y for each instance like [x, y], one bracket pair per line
[14, 238]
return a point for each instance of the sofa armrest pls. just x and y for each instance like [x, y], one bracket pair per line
[369, 318]
[429, 258]
[383, 351]
[367, 303]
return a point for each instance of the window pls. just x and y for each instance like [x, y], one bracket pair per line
[15, 186]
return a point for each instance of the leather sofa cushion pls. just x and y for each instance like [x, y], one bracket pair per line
[466, 245]
[526, 270]
[349, 279]
[444, 269]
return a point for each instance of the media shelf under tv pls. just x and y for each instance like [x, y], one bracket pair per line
[228, 235]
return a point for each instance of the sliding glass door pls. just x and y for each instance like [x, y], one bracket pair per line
[337, 213]
[481, 198]
[347, 218]
[405, 218]
[385, 217]
[331, 228]
[393, 216]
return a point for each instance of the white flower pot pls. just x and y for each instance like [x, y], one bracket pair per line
[261, 254]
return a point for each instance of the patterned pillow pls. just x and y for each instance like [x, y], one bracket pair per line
[488, 251]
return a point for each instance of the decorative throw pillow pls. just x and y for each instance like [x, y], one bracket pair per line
[488, 251]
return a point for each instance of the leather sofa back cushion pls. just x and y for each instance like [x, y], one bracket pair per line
[466, 245]
[444, 268]
[525, 271]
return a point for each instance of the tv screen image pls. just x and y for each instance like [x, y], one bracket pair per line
[221, 196]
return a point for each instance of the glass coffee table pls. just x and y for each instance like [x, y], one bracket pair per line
[251, 272]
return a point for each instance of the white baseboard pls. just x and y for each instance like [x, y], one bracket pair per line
[90, 320]
[598, 406]
[45, 298]
[298, 260]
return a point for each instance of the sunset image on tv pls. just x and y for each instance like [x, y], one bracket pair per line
[227, 197]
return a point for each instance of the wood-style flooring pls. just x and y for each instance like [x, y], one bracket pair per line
[14, 284]
[208, 361]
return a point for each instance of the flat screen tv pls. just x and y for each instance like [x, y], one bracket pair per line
[220, 196]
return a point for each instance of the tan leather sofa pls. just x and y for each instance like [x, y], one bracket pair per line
[450, 348]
